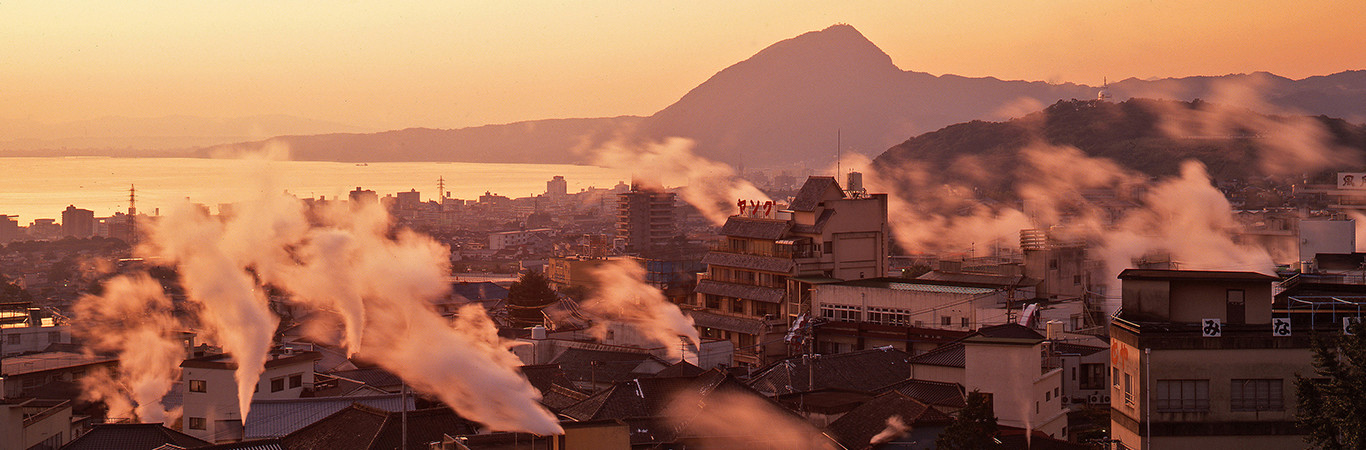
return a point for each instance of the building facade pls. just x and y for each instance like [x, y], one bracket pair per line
[645, 219]
[760, 274]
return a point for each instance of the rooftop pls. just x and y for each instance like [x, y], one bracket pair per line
[38, 362]
[132, 436]
[1193, 275]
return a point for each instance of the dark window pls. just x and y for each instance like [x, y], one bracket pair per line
[965, 322]
[196, 423]
[1181, 395]
[296, 380]
[947, 321]
[277, 385]
[713, 301]
[199, 386]
[829, 247]
[737, 305]
[1256, 395]
[1237, 308]
[1092, 376]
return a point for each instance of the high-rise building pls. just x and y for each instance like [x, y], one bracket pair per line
[360, 196]
[78, 222]
[645, 219]
[9, 228]
[760, 275]
[556, 188]
[409, 200]
[1203, 359]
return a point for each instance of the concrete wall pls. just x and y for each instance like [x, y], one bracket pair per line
[1022, 395]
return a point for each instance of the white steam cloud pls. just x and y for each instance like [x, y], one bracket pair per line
[711, 187]
[132, 319]
[895, 429]
[623, 297]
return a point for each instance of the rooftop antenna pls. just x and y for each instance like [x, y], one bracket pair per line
[132, 200]
[440, 188]
[839, 153]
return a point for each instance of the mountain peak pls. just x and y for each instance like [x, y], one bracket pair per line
[836, 44]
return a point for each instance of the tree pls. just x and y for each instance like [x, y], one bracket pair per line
[527, 296]
[975, 427]
[1330, 405]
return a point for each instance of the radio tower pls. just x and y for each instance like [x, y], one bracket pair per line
[440, 189]
[132, 213]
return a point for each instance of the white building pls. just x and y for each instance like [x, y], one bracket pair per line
[506, 239]
[211, 410]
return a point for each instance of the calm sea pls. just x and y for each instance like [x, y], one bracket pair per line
[42, 187]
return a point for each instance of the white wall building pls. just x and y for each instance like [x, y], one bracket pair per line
[212, 410]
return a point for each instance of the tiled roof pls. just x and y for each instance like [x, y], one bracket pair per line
[543, 376]
[256, 444]
[865, 371]
[276, 418]
[132, 436]
[373, 377]
[979, 279]
[729, 323]
[743, 227]
[364, 428]
[827, 401]
[812, 193]
[479, 291]
[649, 397]
[752, 262]
[1006, 333]
[745, 291]
[948, 355]
[856, 429]
[578, 364]
[949, 395]
[680, 369]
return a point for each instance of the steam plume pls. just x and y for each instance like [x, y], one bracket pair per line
[709, 186]
[133, 319]
[724, 418]
[624, 297]
[895, 429]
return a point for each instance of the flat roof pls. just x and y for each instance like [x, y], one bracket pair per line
[1193, 275]
[38, 362]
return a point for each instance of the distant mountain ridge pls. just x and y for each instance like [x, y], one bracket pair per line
[784, 107]
[1136, 134]
[157, 133]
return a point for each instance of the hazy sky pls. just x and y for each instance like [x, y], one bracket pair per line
[453, 63]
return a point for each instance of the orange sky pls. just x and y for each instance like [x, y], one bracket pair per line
[459, 63]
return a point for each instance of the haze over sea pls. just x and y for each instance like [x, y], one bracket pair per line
[41, 187]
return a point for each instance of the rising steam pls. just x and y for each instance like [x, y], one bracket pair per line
[726, 418]
[623, 297]
[895, 429]
[132, 319]
[709, 186]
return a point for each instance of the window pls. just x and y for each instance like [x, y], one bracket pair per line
[1256, 395]
[277, 384]
[842, 313]
[1181, 395]
[765, 309]
[199, 386]
[713, 301]
[1092, 376]
[1115, 378]
[965, 322]
[196, 423]
[829, 247]
[1128, 390]
[14, 339]
[947, 321]
[296, 380]
[889, 316]
[1076, 279]
[1047, 395]
[737, 306]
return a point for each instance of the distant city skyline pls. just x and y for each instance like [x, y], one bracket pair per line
[456, 64]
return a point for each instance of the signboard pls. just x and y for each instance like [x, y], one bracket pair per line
[763, 209]
[1211, 328]
[1347, 323]
[1352, 180]
[1280, 326]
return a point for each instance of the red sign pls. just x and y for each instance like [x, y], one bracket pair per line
[761, 209]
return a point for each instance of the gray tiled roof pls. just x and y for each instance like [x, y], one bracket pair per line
[132, 436]
[951, 395]
[752, 262]
[864, 371]
[363, 427]
[855, 429]
[948, 355]
[728, 323]
[276, 418]
[744, 227]
[748, 292]
[810, 196]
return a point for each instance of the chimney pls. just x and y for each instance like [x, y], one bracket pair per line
[1054, 330]
[538, 332]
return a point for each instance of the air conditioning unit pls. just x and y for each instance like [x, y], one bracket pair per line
[1107, 399]
[1093, 399]
[1064, 399]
